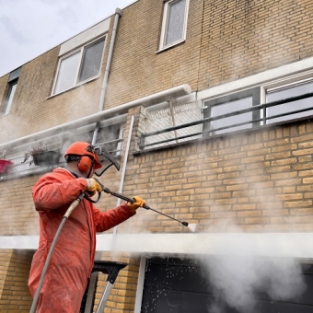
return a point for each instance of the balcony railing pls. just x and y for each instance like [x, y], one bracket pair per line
[262, 120]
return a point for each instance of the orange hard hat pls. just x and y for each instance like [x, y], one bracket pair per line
[83, 148]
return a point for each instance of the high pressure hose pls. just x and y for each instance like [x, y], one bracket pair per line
[55, 239]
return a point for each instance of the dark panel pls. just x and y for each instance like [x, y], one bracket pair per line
[182, 285]
[184, 278]
[173, 301]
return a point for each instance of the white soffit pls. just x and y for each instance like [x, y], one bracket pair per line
[297, 245]
[85, 36]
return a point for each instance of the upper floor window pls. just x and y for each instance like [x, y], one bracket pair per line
[12, 84]
[287, 111]
[80, 66]
[174, 23]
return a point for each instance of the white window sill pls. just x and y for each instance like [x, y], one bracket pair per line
[170, 46]
[76, 86]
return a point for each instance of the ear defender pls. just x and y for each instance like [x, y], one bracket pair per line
[85, 163]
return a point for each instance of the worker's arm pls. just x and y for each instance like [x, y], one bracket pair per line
[50, 193]
[106, 220]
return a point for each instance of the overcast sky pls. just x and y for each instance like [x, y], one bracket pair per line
[29, 28]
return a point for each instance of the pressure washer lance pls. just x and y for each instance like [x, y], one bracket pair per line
[192, 227]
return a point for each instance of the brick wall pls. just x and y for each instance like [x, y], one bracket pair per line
[15, 296]
[3, 89]
[122, 295]
[137, 70]
[15, 265]
[33, 109]
[18, 216]
[225, 41]
[259, 180]
[243, 37]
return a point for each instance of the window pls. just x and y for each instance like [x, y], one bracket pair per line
[111, 138]
[79, 67]
[10, 97]
[174, 23]
[12, 82]
[288, 91]
[231, 104]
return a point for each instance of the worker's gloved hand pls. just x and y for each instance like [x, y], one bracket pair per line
[138, 203]
[92, 187]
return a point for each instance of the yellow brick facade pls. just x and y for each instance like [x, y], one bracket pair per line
[260, 180]
[14, 296]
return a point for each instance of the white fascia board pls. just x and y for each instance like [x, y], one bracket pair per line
[257, 79]
[19, 242]
[296, 245]
[85, 36]
[299, 245]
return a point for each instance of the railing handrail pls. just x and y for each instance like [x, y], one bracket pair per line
[234, 113]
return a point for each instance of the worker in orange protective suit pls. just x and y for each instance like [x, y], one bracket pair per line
[73, 256]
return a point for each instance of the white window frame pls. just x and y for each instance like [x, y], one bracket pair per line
[274, 79]
[12, 85]
[10, 97]
[162, 45]
[288, 81]
[81, 51]
[254, 93]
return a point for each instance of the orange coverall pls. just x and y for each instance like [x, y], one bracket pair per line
[73, 257]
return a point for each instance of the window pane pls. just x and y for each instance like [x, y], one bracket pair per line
[175, 23]
[291, 106]
[229, 107]
[91, 61]
[10, 98]
[67, 73]
[108, 137]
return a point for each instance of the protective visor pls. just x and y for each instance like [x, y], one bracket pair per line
[106, 160]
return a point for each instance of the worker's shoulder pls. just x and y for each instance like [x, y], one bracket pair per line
[57, 174]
